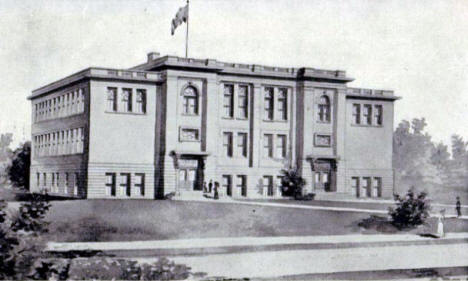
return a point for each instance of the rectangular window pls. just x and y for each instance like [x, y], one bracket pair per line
[281, 146]
[242, 185]
[356, 114]
[242, 144]
[44, 179]
[57, 177]
[268, 104]
[367, 114]
[110, 184]
[140, 183]
[38, 179]
[228, 101]
[126, 100]
[111, 99]
[67, 183]
[141, 101]
[227, 144]
[377, 187]
[279, 185]
[283, 104]
[243, 101]
[125, 184]
[76, 184]
[366, 187]
[268, 145]
[377, 114]
[322, 140]
[227, 185]
[53, 179]
[268, 185]
[189, 134]
[355, 186]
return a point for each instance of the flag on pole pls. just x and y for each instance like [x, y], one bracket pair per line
[180, 17]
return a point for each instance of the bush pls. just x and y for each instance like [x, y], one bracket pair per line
[292, 183]
[31, 216]
[410, 211]
[18, 171]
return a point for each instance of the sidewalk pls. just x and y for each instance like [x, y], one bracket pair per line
[224, 200]
[248, 241]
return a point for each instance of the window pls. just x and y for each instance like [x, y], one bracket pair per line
[366, 187]
[279, 184]
[111, 99]
[355, 186]
[268, 145]
[140, 183]
[268, 104]
[227, 144]
[243, 102]
[44, 179]
[189, 134]
[323, 140]
[126, 100]
[281, 146]
[367, 114]
[242, 144]
[356, 114]
[57, 177]
[76, 184]
[125, 184]
[377, 114]
[377, 187]
[67, 183]
[283, 104]
[228, 101]
[324, 109]
[227, 184]
[38, 179]
[53, 179]
[110, 184]
[242, 185]
[268, 185]
[141, 101]
[190, 102]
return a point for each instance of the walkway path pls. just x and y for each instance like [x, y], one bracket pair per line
[247, 241]
[298, 206]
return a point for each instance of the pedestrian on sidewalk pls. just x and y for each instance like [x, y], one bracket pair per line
[205, 189]
[216, 187]
[458, 207]
[440, 225]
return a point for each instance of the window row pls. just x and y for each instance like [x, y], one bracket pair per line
[126, 185]
[66, 183]
[268, 186]
[275, 104]
[239, 147]
[236, 101]
[126, 100]
[274, 146]
[64, 105]
[367, 114]
[366, 186]
[64, 142]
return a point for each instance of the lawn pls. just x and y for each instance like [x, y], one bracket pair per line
[131, 220]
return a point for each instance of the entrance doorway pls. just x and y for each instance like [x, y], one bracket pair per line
[190, 174]
[324, 175]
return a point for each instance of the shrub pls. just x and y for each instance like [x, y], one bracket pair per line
[292, 183]
[410, 211]
[18, 171]
[31, 216]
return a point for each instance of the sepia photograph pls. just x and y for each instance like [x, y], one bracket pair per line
[234, 140]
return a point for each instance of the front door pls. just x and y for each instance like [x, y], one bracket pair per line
[187, 178]
[324, 176]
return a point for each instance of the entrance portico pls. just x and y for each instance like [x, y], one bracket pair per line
[190, 168]
[324, 172]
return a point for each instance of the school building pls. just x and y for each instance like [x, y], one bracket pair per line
[172, 123]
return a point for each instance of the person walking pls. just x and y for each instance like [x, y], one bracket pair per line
[216, 194]
[440, 225]
[458, 207]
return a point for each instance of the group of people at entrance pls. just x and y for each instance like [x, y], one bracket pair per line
[211, 188]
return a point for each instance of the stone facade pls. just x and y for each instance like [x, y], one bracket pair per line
[171, 124]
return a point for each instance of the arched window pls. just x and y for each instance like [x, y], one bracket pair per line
[324, 109]
[190, 102]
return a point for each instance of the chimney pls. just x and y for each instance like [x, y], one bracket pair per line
[152, 56]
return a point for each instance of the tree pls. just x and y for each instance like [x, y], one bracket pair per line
[5, 155]
[18, 171]
[411, 210]
[292, 183]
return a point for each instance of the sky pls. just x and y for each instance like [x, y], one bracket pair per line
[419, 49]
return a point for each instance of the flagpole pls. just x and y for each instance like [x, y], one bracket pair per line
[186, 33]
